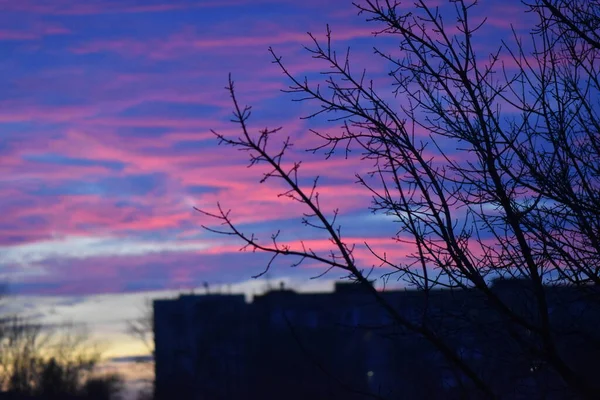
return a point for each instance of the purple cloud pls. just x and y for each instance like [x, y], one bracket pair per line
[106, 146]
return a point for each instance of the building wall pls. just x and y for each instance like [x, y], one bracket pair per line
[341, 345]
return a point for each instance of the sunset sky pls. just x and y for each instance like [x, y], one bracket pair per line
[105, 144]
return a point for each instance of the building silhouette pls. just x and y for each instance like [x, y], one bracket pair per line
[343, 345]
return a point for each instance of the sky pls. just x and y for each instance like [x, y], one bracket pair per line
[106, 111]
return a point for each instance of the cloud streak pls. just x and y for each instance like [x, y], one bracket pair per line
[105, 118]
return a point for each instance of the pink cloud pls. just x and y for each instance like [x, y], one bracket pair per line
[189, 41]
[34, 32]
[65, 7]
[87, 214]
[30, 113]
[161, 270]
[105, 107]
[222, 173]
[17, 35]
[364, 258]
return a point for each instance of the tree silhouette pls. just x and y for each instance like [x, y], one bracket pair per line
[50, 362]
[488, 164]
[142, 329]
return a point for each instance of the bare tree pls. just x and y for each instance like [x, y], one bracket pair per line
[47, 361]
[142, 328]
[488, 170]
[21, 344]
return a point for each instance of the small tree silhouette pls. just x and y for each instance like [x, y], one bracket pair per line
[51, 363]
